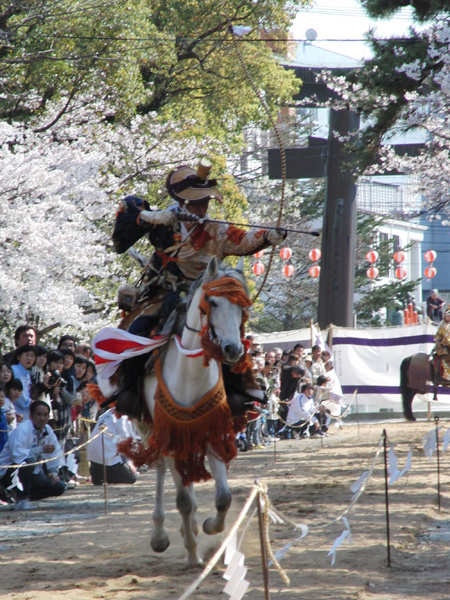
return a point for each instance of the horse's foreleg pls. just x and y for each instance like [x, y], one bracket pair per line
[223, 497]
[187, 507]
[159, 540]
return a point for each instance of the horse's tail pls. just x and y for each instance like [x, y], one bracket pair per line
[406, 392]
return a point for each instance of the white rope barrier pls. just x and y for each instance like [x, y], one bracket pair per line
[53, 458]
[358, 488]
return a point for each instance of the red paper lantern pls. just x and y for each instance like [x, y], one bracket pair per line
[315, 254]
[372, 272]
[288, 270]
[259, 254]
[314, 271]
[400, 272]
[285, 253]
[258, 268]
[399, 256]
[372, 256]
[430, 256]
[430, 272]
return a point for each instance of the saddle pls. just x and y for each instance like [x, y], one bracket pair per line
[437, 370]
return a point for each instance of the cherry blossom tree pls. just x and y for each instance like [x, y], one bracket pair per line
[57, 212]
[99, 99]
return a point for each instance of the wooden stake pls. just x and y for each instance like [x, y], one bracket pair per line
[104, 475]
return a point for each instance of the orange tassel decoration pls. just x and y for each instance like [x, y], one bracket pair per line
[185, 433]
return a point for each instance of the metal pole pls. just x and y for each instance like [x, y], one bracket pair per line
[386, 492]
[436, 421]
[104, 475]
[263, 550]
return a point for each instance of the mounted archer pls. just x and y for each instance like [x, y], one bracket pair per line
[420, 371]
[182, 250]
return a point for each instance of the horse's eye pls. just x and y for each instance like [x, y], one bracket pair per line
[213, 303]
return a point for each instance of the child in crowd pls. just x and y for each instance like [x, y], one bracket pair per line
[13, 391]
[80, 366]
[6, 373]
[3, 423]
[38, 371]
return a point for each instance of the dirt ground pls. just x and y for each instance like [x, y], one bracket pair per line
[69, 548]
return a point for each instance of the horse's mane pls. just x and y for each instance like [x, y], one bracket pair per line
[177, 318]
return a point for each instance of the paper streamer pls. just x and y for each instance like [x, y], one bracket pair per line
[446, 440]
[279, 554]
[393, 469]
[275, 517]
[235, 572]
[230, 550]
[346, 534]
[237, 560]
[355, 487]
[72, 464]
[15, 481]
[429, 443]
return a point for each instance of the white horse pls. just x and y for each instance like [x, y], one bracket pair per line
[188, 381]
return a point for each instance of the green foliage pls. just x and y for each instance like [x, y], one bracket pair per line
[383, 82]
[423, 9]
[174, 58]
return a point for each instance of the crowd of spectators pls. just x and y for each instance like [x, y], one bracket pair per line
[45, 410]
[300, 389]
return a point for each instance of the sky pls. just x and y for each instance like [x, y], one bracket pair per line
[347, 20]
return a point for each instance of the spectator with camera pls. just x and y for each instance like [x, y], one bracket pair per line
[61, 401]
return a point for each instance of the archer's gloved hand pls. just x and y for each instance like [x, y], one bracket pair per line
[276, 236]
[158, 217]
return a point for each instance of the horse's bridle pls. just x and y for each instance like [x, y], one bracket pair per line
[191, 328]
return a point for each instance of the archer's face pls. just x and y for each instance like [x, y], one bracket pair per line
[199, 209]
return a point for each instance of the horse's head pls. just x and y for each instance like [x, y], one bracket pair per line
[223, 303]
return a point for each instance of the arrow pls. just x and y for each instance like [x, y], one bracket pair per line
[184, 217]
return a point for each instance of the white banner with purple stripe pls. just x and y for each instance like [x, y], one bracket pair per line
[368, 360]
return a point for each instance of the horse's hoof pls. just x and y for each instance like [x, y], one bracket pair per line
[209, 528]
[160, 545]
[194, 563]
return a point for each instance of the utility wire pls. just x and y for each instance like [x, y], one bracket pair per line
[217, 39]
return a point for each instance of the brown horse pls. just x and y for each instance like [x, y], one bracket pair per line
[418, 374]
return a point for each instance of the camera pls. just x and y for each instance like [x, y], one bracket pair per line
[56, 378]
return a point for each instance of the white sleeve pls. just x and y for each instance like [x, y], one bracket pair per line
[50, 438]
[20, 442]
